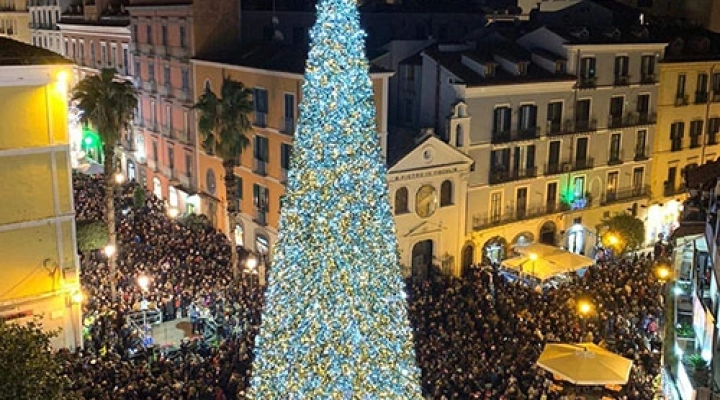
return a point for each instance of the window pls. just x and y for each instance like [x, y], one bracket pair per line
[495, 207]
[501, 121]
[500, 160]
[670, 182]
[581, 150]
[701, 92]
[616, 111]
[554, 157]
[171, 158]
[677, 132]
[153, 114]
[166, 75]
[551, 196]
[183, 42]
[696, 128]
[554, 117]
[238, 193]
[521, 202]
[151, 72]
[446, 194]
[168, 116]
[680, 90]
[188, 164]
[641, 152]
[137, 69]
[459, 136]
[103, 54]
[621, 70]
[261, 154]
[401, 201]
[164, 35]
[148, 34]
[579, 187]
[285, 156]
[643, 108]
[587, 68]
[260, 197]
[615, 140]
[530, 160]
[126, 60]
[637, 180]
[260, 101]
[582, 114]
[647, 68]
[527, 118]
[716, 86]
[612, 185]
[136, 33]
[155, 151]
[185, 76]
[712, 130]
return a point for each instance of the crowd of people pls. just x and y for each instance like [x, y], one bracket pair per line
[476, 338]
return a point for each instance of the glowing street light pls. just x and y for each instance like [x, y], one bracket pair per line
[77, 297]
[613, 240]
[119, 178]
[110, 250]
[143, 282]
[662, 272]
[172, 212]
[251, 263]
[584, 307]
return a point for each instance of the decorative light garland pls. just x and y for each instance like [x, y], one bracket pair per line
[335, 322]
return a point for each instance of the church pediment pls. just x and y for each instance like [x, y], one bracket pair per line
[431, 154]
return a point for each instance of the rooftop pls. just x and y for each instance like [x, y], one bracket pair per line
[277, 57]
[14, 53]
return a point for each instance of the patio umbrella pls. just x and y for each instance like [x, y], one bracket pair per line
[585, 364]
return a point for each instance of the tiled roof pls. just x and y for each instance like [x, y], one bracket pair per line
[13, 53]
[269, 56]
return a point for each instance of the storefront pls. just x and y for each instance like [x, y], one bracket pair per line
[662, 219]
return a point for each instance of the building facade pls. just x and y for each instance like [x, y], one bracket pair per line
[165, 36]
[44, 17]
[14, 20]
[261, 176]
[687, 132]
[37, 224]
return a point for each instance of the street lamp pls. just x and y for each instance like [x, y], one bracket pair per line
[119, 178]
[663, 273]
[251, 263]
[584, 308]
[110, 250]
[172, 212]
[143, 282]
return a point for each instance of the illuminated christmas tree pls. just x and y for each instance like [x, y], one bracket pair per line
[335, 322]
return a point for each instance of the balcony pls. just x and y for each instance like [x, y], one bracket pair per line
[681, 100]
[584, 125]
[553, 127]
[631, 119]
[579, 165]
[164, 90]
[621, 80]
[509, 176]
[289, 126]
[648, 79]
[145, 48]
[486, 220]
[615, 159]
[716, 96]
[625, 195]
[642, 154]
[149, 86]
[553, 169]
[260, 119]
[260, 217]
[672, 190]
[183, 136]
[520, 134]
[587, 82]
[182, 95]
[701, 97]
[259, 167]
[180, 53]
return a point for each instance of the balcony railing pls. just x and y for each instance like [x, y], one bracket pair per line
[181, 53]
[587, 82]
[553, 169]
[260, 167]
[289, 126]
[716, 96]
[520, 134]
[572, 126]
[625, 195]
[508, 176]
[485, 220]
[553, 127]
[260, 119]
[681, 100]
[648, 79]
[160, 50]
[642, 153]
[261, 216]
[631, 119]
[701, 97]
[579, 165]
[672, 190]
[584, 125]
[621, 80]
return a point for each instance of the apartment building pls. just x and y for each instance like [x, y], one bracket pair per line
[165, 36]
[37, 222]
[44, 17]
[274, 72]
[14, 20]
[687, 131]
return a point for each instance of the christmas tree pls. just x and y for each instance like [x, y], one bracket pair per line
[335, 322]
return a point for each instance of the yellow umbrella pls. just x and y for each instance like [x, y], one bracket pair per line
[585, 364]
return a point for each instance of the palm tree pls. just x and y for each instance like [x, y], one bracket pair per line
[223, 123]
[107, 103]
